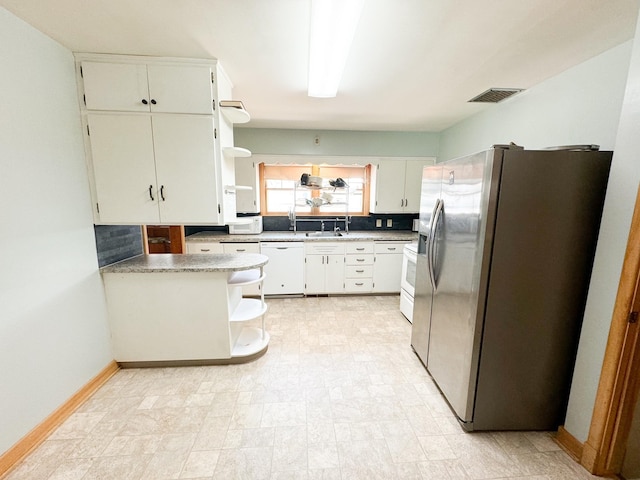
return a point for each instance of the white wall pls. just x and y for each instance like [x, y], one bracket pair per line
[614, 231]
[579, 106]
[54, 334]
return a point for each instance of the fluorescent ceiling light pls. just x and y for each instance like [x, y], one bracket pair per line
[333, 26]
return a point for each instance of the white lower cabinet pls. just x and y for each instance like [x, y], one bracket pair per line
[359, 267]
[387, 270]
[245, 247]
[204, 247]
[285, 270]
[324, 267]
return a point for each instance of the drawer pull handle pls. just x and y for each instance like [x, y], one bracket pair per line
[240, 249]
[391, 248]
[359, 271]
[205, 249]
[359, 259]
[360, 249]
[359, 284]
[282, 248]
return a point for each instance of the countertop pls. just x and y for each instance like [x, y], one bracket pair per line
[189, 262]
[287, 236]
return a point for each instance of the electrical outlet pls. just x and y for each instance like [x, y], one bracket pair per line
[378, 223]
[389, 223]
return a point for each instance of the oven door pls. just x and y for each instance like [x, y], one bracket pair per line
[408, 282]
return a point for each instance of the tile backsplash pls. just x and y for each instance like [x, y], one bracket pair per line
[117, 242]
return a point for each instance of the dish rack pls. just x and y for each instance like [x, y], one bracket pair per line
[317, 196]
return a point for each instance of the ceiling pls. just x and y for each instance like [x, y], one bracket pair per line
[413, 66]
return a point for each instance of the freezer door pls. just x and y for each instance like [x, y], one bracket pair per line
[429, 198]
[462, 233]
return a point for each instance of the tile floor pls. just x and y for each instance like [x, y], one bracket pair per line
[339, 395]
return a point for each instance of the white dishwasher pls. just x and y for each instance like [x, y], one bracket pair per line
[285, 270]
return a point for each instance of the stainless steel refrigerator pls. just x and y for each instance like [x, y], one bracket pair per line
[506, 245]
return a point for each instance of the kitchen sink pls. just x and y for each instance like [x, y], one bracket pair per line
[323, 234]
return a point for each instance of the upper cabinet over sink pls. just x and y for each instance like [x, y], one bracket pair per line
[154, 140]
[396, 183]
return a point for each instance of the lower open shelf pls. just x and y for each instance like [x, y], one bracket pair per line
[250, 341]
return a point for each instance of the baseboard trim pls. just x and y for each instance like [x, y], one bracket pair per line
[39, 434]
[569, 444]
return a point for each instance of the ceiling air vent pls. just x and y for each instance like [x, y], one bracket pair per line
[495, 95]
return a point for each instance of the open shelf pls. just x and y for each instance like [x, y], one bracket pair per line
[250, 341]
[246, 277]
[237, 152]
[248, 309]
[235, 114]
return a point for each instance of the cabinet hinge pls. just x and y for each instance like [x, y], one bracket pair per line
[98, 207]
[213, 78]
[84, 99]
[219, 211]
[213, 104]
[88, 132]
[215, 133]
[81, 74]
[633, 317]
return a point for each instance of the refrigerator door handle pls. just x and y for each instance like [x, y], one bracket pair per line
[433, 225]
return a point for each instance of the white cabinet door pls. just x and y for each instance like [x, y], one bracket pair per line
[139, 87]
[396, 185]
[389, 187]
[185, 166]
[247, 201]
[412, 185]
[285, 270]
[315, 273]
[124, 169]
[115, 86]
[387, 269]
[180, 89]
[334, 277]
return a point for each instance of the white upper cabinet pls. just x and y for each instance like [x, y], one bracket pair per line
[154, 169]
[135, 87]
[395, 185]
[124, 168]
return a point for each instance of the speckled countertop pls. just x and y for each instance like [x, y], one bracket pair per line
[359, 235]
[196, 262]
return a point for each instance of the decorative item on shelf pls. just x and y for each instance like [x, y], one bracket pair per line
[338, 183]
[304, 179]
[314, 181]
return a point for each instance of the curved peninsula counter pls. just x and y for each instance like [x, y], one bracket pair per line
[185, 309]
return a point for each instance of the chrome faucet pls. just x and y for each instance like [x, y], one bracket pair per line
[322, 225]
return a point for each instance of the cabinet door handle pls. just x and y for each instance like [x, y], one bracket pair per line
[144, 101]
[406, 202]
[151, 193]
[162, 192]
[153, 101]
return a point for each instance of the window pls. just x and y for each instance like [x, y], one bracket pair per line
[278, 188]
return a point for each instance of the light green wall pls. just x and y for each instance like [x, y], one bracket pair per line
[334, 142]
[579, 106]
